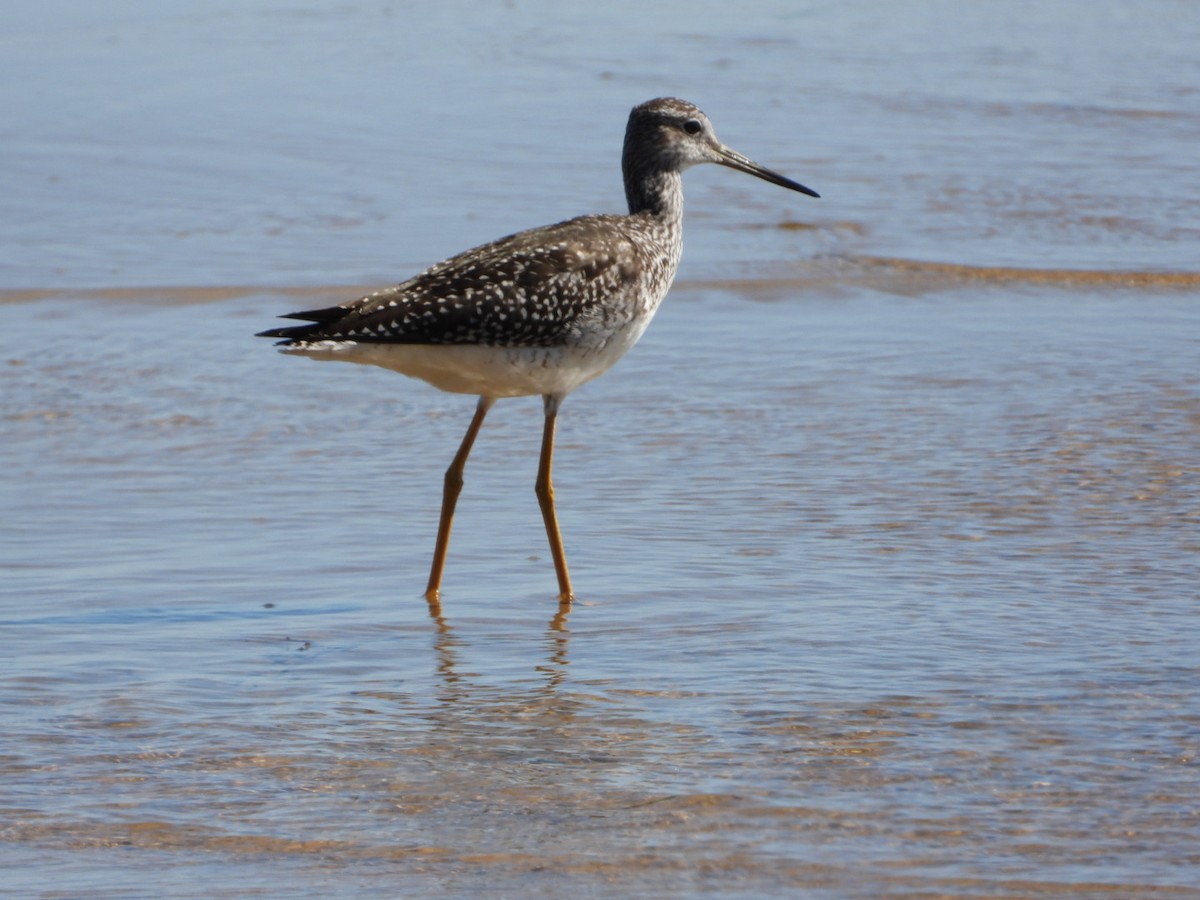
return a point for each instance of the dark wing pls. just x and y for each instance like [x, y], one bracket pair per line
[533, 288]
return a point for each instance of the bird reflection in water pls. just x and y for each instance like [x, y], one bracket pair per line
[447, 645]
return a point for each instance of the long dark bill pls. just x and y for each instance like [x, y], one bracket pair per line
[735, 160]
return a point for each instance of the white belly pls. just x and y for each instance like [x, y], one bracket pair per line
[487, 371]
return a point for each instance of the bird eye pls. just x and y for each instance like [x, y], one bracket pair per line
[692, 126]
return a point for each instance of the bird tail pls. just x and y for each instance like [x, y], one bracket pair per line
[315, 321]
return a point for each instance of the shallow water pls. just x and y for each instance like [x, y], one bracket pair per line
[901, 601]
[886, 536]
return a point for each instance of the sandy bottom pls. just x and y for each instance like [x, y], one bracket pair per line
[881, 592]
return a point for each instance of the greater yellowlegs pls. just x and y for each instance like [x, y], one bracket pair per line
[538, 312]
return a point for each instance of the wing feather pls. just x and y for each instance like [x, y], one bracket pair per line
[534, 288]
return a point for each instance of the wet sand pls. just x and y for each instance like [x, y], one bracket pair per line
[899, 603]
[885, 535]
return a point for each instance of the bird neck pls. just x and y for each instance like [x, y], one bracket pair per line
[659, 193]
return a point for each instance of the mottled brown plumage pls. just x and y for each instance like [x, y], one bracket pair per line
[538, 288]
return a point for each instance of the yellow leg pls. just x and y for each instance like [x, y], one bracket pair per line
[545, 494]
[450, 491]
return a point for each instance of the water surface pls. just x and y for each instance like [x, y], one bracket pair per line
[886, 535]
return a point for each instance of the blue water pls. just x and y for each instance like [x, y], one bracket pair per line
[885, 535]
[282, 144]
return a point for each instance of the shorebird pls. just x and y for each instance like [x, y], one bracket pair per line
[539, 312]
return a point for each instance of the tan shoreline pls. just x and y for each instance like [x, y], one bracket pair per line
[872, 271]
[1003, 274]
